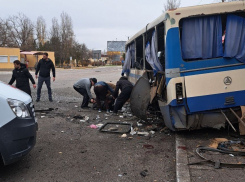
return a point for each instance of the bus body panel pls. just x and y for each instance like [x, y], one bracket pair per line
[210, 91]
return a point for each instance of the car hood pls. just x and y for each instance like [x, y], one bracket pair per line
[10, 92]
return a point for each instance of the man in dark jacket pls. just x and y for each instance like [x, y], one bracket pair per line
[101, 90]
[83, 87]
[22, 76]
[44, 66]
[126, 88]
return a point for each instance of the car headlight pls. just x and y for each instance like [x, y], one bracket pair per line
[19, 108]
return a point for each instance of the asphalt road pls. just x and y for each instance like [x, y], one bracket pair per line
[68, 150]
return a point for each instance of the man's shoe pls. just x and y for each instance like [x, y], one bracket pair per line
[50, 100]
[37, 100]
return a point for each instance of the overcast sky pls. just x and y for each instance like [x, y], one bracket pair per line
[95, 21]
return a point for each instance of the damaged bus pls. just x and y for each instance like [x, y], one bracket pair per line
[188, 66]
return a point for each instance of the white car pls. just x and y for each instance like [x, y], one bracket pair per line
[18, 124]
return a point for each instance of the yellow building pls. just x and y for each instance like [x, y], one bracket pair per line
[8, 56]
[32, 57]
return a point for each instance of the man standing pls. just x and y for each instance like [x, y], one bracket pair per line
[44, 66]
[22, 76]
[83, 87]
[126, 88]
[101, 90]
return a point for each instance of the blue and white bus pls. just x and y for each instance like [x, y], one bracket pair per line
[189, 63]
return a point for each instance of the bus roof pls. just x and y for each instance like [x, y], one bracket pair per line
[180, 13]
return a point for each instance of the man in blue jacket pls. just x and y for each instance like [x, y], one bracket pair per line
[43, 67]
[101, 90]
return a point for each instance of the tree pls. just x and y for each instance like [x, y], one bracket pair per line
[5, 40]
[67, 36]
[171, 4]
[54, 43]
[20, 30]
[41, 32]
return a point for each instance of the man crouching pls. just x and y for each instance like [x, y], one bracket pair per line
[83, 87]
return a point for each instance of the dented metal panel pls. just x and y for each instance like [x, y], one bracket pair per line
[140, 98]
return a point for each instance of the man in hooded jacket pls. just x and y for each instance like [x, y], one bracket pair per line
[21, 76]
[126, 88]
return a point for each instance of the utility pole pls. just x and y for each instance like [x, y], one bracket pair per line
[223, 1]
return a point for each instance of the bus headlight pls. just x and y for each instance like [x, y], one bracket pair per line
[19, 108]
[179, 93]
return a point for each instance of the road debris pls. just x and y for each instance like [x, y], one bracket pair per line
[124, 135]
[144, 133]
[116, 127]
[132, 132]
[93, 126]
[42, 116]
[144, 173]
[78, 117]
[139, 124]
[99, 125]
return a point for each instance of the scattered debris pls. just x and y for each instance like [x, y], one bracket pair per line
[215, 142]
[86, 118]
[120, 127]
[78, 117]
[132, 132]
[139, 124]
[83, 151]
[83, 121]
[124, 135]
[62, 132]
[97, 117]
[231, 155]
[144, 173]
[93, 126]
[144, 133]
[152, 132]
[112, 129]
[76, 106]
[42, 116]
[99, 125]
[121, 116]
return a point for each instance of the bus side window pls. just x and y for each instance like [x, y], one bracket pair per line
[139, 54]
[161, 44]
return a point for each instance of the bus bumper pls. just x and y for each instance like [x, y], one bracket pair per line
[17, 138]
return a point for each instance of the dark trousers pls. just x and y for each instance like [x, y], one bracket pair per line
[100, 92]
[40, 84]
[84, 93]
[122, 98]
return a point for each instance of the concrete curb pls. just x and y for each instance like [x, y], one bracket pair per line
[182, 169]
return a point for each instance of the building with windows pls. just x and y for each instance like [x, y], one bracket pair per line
[9, 55]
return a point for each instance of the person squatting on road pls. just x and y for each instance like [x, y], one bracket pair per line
[22, 76]
[43, 67]
[126, 88]
[83, 87]
[101, 90]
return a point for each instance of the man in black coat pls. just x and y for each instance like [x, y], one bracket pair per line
[22, 76]
[44, 66]
[126, 88]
